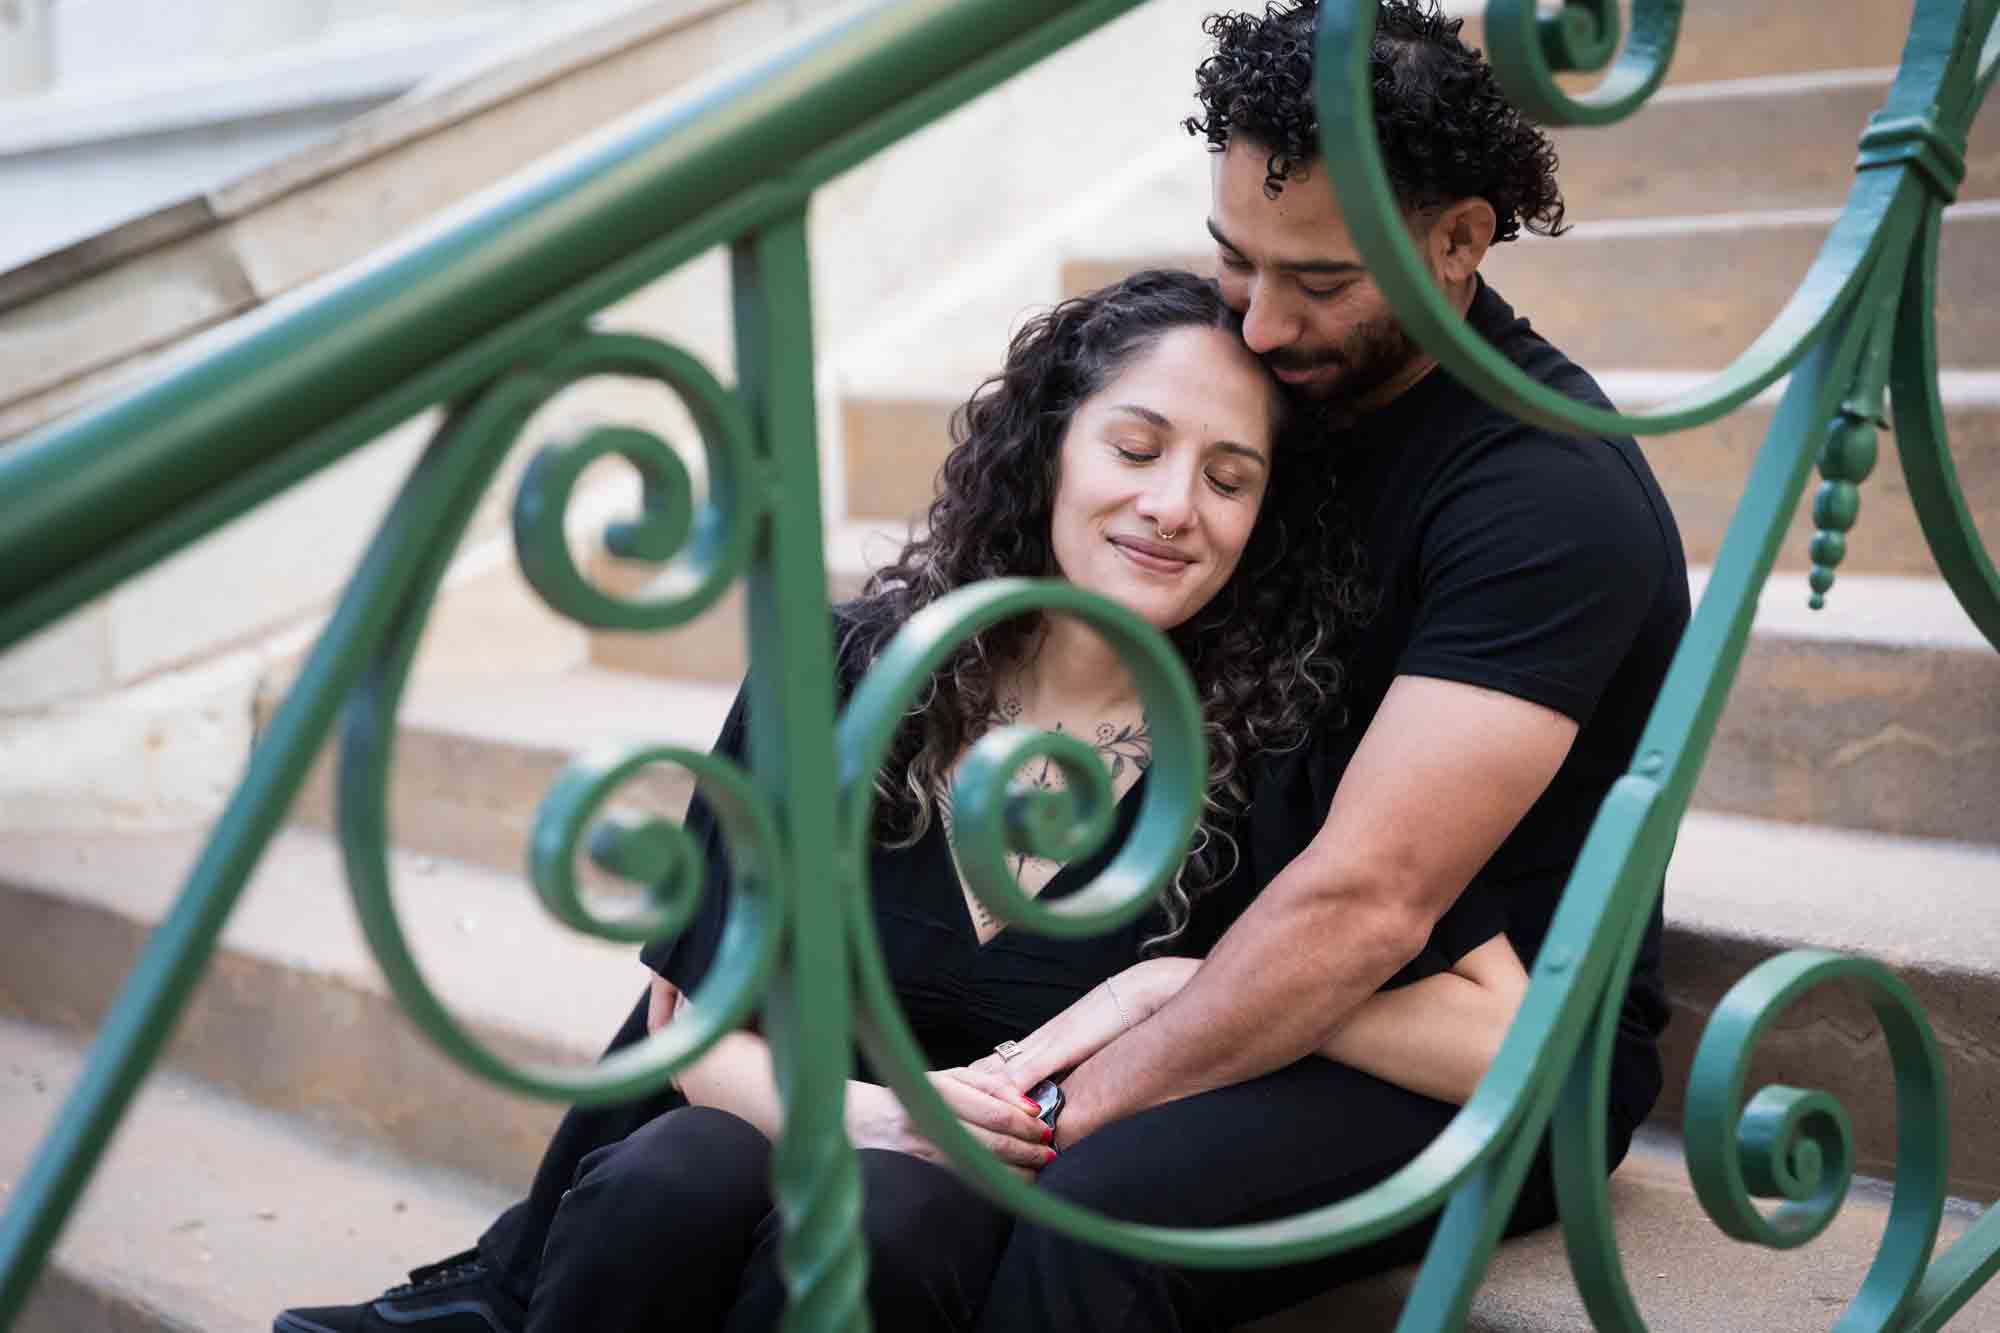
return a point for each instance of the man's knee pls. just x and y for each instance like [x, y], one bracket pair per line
[692, 1165]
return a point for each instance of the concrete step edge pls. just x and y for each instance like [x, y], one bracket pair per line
[209, 1214]
[293, 1013]
[187, 1227]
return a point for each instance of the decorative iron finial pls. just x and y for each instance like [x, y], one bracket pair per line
[1844, 461]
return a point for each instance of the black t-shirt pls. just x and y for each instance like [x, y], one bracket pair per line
[1523, 560]
[963, 997]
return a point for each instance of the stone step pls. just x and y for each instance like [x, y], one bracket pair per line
[1776, 142]
[1733, 146]
[1656, 293]
[185, 1227]
[293, 1013]
[1879, 714]
[895, 441]
[209, 1214]
[475, 756]
[1740, 890]
[1733, 39]
[1685, 1275]
[711, 647]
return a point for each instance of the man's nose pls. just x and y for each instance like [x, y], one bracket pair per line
[1265, 327]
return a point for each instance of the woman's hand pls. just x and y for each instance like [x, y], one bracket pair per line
[993, 1115]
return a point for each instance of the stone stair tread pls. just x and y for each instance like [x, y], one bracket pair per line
[485, 944]
[577, 709]
[1888, 609]
[1679, 1266]
[1807, 886]
[210, 1214]
[185, 1226]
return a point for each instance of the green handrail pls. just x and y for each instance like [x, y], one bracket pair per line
[490, 318]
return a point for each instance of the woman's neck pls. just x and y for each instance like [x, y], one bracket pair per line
[1070, 670]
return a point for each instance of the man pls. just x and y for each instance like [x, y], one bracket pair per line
[1529, 590]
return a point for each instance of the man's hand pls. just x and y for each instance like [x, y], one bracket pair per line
[991, 1112]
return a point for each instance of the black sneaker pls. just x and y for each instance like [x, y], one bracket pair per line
[455, 1295]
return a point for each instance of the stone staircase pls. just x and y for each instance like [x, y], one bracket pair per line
[304, 1143]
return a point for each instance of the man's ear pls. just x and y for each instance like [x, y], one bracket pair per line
[1457, 239]
[1463, 235]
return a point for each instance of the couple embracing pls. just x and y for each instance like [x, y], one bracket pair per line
[1425, 636]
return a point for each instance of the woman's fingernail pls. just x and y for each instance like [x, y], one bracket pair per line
[1034, 1107]
[1052, 1155]
[1048, 1134]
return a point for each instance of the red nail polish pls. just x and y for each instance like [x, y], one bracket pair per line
[1033, 1107]
[1052, 1156]
[1048, 1134]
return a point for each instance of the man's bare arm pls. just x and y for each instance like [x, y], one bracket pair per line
[1443, 775]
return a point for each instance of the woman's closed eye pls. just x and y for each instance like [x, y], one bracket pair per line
[1134, 452]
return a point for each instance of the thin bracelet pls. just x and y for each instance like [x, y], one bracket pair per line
[1124, 1020]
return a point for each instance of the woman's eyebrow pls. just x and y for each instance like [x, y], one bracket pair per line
[1152, 418]
[1242, 450]
[1145, 414]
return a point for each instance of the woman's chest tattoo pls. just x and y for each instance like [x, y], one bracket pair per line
[1126, 748]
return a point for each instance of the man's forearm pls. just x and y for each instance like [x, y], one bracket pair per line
[1272, 992]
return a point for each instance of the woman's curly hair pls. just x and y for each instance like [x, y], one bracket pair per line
[1261, 652]
[1446, 129]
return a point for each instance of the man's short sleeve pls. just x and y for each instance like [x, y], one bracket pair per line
[685, 960]
[1539, 559]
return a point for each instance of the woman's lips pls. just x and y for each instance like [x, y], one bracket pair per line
[1154, 557]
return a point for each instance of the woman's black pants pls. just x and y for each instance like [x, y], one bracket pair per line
[671, 1225]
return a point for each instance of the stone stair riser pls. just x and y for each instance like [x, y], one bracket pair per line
[895, 445]
[287, 1038]
[473, 798]
[1672, 300]
[1830, 1041]
[1734, 154]
[1734, 39]
[1887, 739]
[708, 648]
[1884, 738]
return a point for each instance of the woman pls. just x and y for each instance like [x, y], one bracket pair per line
[1130, 446]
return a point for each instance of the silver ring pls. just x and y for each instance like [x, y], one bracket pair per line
[1007, 1050]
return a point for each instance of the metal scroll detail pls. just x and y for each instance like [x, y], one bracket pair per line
[1862, 317]
[655, 855]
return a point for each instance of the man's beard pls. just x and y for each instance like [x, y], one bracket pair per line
[1369, 357]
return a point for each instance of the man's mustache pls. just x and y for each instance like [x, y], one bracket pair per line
[1299, 358]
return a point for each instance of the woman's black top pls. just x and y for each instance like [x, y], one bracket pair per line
[962, 997]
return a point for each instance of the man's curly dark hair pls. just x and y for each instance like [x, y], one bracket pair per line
[1446, 129]
[1262, 652]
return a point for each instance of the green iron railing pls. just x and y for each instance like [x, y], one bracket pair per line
[491, 318]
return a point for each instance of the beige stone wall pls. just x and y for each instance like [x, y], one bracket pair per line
[884, 237]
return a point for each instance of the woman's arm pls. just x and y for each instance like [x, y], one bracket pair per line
[1436, 1036]
[735, 1075]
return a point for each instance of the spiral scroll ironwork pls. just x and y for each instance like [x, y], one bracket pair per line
[659, 857]
[1795, 1145]
[988, 819]
[1529, 46]
[1370, 211]
[1122, 890]
[712, 544]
